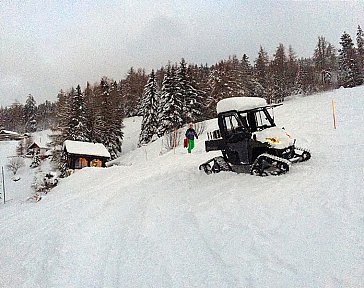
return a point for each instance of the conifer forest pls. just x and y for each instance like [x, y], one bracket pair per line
[178, 93]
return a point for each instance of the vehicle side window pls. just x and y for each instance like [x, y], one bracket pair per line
[262, 120]
[231, 123]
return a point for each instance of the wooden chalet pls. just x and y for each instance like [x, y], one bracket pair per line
[80, 154]
[37, 148]
[6, 135]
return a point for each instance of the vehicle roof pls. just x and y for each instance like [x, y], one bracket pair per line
[240, 104]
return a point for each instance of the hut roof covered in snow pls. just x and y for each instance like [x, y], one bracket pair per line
[36, 144]
[86, 148]
[10, 135]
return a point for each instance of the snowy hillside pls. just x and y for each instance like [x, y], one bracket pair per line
[157, 221]
[22, 189]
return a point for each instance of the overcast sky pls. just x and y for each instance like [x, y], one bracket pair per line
[50, 45]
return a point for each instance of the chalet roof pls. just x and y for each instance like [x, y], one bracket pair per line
[240, 104]
[7, 132]
[86, 148]
[36, 144]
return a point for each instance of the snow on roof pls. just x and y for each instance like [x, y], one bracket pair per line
[8, 132]
[35, 143]
[240, 104]
[86, 148]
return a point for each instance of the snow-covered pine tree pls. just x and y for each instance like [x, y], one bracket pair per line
[198, 109]
[199, 79]
[61, 131]
[63, 118]
[223, 83]
[232, 78]
[181, 87]
[325, 62]
[149, 107]
[305, 79]
[46, 115]
[133, 87]
[292, 70]
[171, 106]
[249, 83]
[116, 119]
[278, 67]
[261, 67]
[245, 67]
[159, 75]
[91, 103]
[239, 74]
[190, 96]
[101, 112]
[349, 74]
[116, 96]
[262, 72]
[30, 114]
[78, 129]
[360, 49]
[16, 119]
[108, 122]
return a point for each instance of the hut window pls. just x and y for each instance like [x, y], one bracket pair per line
[80, 163]
[96, 163]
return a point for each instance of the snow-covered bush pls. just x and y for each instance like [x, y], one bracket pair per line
[43, 182]
[15, 163]
[15, 178]
[172, 139]
[200, 128]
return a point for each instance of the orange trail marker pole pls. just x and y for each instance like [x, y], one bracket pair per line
[333, 112]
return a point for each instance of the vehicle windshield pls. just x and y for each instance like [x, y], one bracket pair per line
[256, 120]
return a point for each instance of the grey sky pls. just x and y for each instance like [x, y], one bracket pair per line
[50, 45]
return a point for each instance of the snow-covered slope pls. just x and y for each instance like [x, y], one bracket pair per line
[22, 189]
[156, 221]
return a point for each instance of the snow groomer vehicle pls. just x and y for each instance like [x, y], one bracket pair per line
[249, 140]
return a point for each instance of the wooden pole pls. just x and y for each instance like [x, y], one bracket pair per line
[333, 112]
[174, 141]
[2, 172]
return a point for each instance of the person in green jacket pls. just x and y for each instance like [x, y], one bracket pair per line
[190, 135]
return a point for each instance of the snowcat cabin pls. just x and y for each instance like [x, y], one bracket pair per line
[257, 119]
[85, 154]
[243, 114]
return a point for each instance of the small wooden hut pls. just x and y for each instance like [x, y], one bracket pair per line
[6, 135]
[80, 154]
[37, 148]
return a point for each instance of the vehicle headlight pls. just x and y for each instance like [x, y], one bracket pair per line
[272, 140]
